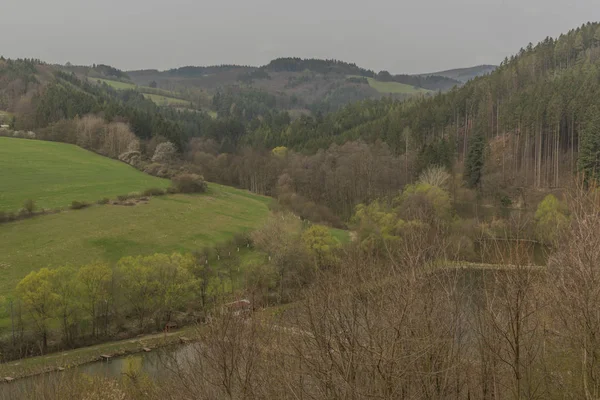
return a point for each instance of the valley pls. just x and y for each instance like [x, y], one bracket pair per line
[319, 229]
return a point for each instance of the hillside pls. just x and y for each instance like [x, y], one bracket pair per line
[106, 233]
[295, 84]
[55, 174]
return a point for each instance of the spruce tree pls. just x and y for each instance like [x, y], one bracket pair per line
[589, 157]
[475, 160]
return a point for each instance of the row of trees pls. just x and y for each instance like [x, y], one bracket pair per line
[90, 300]
[66, 307]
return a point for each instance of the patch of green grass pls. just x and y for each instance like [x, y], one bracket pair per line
[54, 174]
[178, 223]
[166, 101]
[394, 87]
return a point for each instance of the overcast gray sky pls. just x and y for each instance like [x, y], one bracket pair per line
[397, 35]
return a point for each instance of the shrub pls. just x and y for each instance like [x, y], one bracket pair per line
[153, 192]
[29, 206]
[189, 183]
[164, 153]
[131, 157]
[123, 197]
[152, 169]
[134, 195]
[105, 200]
[78, 205]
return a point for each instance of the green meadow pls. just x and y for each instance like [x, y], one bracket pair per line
[395, 87]
[175, 223]
[160, 99]
[55, 174]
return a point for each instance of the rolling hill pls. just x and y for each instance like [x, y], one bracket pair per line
[106, 233]
[295, 83]
[55, 174]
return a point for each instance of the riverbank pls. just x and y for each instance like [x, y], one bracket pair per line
[65, 360]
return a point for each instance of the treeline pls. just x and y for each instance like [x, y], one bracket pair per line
[296, 64]
[191, 71]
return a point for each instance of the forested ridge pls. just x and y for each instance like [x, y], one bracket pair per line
[542, 101]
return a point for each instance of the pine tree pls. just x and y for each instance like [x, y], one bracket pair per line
[475, 160]
[589, 156]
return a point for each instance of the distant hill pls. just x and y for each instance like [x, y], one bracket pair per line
[290, 83]
[464, 74]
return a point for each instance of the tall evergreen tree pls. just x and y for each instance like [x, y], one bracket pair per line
[475, 160]
[589, 157]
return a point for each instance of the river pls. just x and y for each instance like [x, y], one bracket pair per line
[153, 364]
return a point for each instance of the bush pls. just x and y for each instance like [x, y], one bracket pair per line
[153, 192]
[189, 183]
[164, 153]
[78, 205]
[103, 201]
[134, 195]
[29, 206]
[123, 197]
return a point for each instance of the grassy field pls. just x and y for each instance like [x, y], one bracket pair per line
[54, 174]
[160, 99]
[395, 87]
[106, 233]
